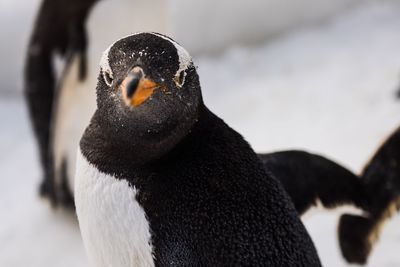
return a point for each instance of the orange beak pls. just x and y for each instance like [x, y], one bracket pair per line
[136, 89]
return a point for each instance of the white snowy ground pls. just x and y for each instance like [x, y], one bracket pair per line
[328, 89]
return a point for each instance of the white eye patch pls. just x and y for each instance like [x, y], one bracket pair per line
[179, 78]
[185, 61]
[106, 70]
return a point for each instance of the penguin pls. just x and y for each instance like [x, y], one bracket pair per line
[69, 99]
[311, 179]
[59, 30]
[162, 181]
[381, 178]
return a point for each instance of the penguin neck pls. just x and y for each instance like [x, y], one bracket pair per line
[98, 146]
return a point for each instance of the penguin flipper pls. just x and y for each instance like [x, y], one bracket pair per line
[308, 178]
[78, 45]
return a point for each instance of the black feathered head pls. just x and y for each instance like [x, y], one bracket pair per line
[148, 93]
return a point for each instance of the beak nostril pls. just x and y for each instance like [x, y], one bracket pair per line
[132, 85]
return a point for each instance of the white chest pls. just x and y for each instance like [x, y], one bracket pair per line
[113, 225]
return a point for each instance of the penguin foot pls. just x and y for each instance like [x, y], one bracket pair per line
[47, 191]
[60, 197]
[65, 196]
[57, 195]
[354, 238]
[65, 199]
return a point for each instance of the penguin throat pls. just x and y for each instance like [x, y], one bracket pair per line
[113, 151]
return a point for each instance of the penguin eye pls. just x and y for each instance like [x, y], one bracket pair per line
[180, 78]
[108, 78]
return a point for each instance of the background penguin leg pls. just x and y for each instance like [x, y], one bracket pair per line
[39, 93]
[65, 196]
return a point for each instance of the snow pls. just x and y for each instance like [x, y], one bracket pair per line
[328, 88]
[208, 25]
[16, 20]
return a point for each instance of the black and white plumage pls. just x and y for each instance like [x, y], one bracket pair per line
[381, 178]
[162, 181]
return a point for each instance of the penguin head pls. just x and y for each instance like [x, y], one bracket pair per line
[148, 94]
